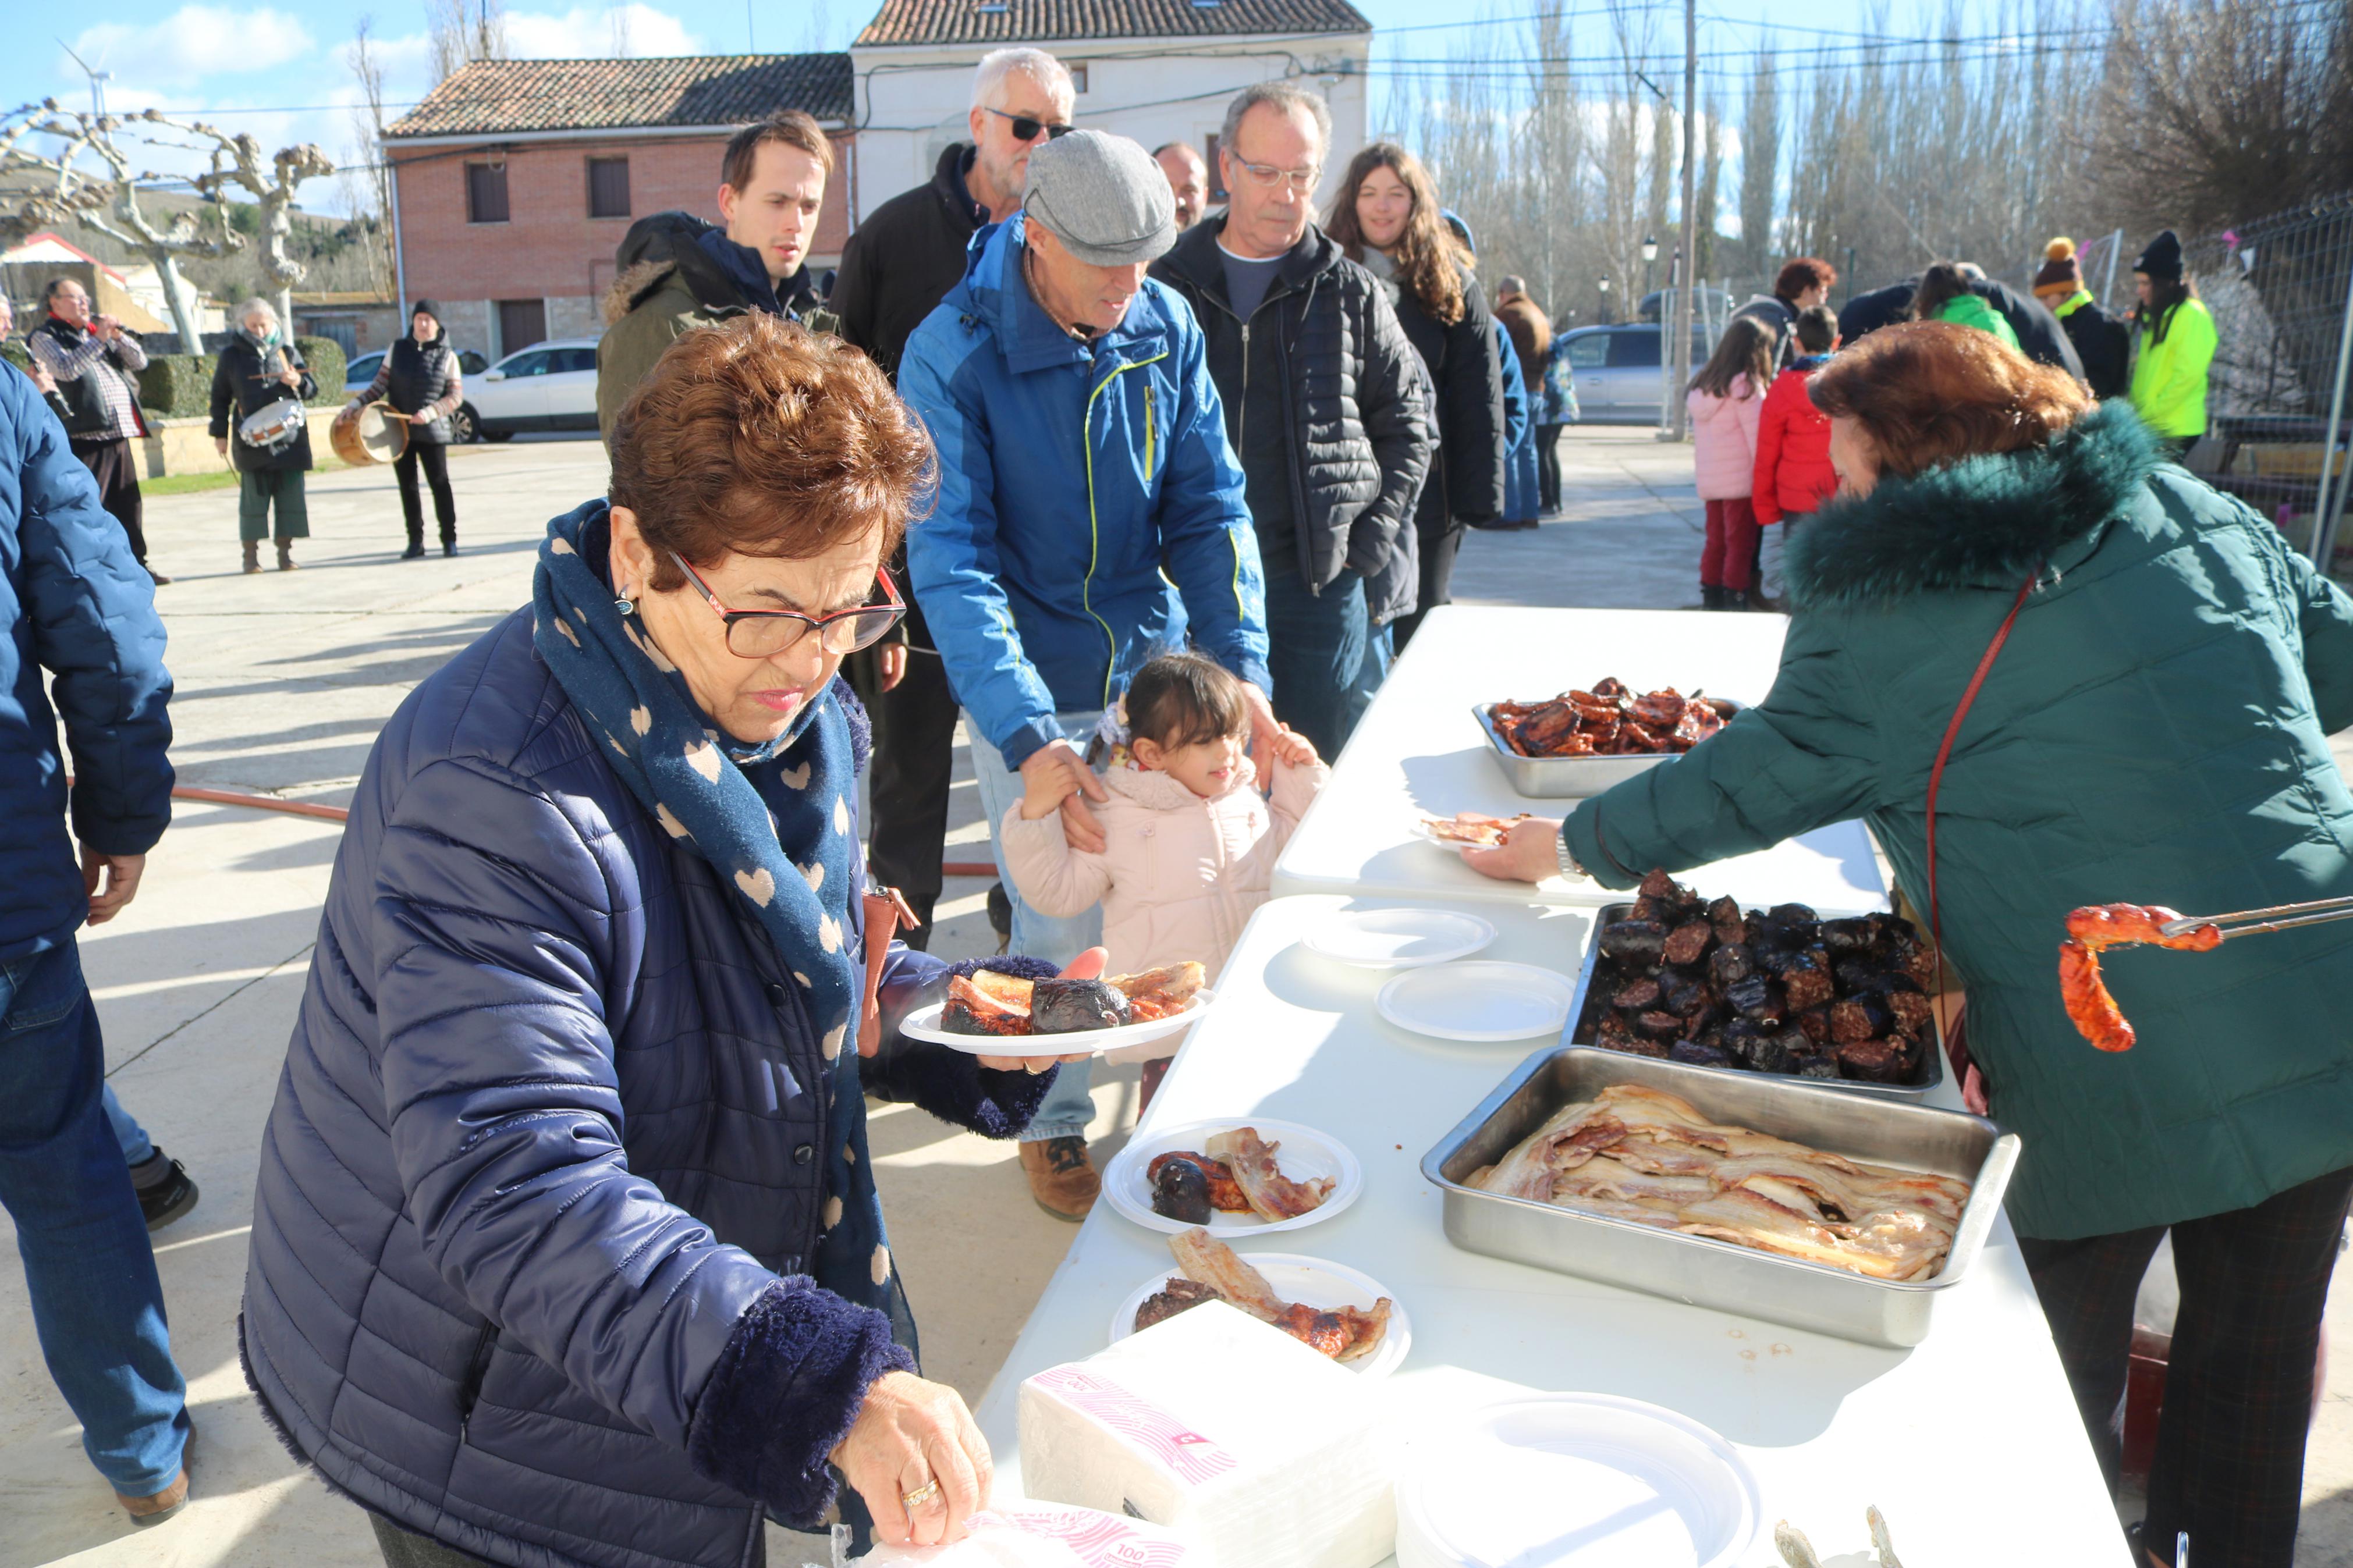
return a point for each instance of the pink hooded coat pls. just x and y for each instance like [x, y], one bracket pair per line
[1178, 876]
[1724, 439]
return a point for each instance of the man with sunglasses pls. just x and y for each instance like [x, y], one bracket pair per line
[898, 264]
[1090, 517]
[1324, 402]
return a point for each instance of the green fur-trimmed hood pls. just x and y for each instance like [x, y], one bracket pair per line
[1980, 522]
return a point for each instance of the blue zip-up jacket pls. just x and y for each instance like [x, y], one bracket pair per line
[78, 606]
[1091, 510]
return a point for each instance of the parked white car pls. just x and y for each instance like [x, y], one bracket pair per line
[547, 386]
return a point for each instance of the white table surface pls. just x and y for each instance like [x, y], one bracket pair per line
[1418, 750]
[1969, 1443]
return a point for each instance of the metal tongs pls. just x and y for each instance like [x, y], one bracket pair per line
[2279, 917]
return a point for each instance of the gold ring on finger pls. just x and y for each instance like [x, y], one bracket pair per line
[922, 1498]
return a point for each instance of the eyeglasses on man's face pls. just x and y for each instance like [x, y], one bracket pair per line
[765, 634]
[1026, 127]
[1266, 176]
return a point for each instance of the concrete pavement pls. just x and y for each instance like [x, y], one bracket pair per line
[283, 681]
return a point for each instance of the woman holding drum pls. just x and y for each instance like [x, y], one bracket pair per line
[261, 377]
[419, 383]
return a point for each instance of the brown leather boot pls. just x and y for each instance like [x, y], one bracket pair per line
[1062, 1178]
[286, 562]
[159, 1505]
[252, 556]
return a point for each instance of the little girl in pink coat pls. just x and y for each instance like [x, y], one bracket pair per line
[1189, 842]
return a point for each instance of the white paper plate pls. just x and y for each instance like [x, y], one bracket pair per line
[1312, 1280]
[1482, 1001]
[1399, 937]
[923, 1023]
[1574, 1481]
[1305, 1155]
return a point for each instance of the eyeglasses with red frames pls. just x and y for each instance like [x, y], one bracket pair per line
[765, 634]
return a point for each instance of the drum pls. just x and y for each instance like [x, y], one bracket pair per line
[364, 434]
[272, 428]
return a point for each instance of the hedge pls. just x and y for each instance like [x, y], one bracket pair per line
[180, 386]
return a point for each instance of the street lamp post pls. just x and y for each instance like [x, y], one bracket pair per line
[1606, 319]
[1650, 254]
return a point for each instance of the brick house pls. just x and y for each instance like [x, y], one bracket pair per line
[515, 181]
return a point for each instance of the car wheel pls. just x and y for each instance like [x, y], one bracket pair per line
[465, 425]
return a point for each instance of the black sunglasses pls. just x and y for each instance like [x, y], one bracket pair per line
[1026, 129]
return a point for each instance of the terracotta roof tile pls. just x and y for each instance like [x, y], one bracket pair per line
[1038, 21]
[491, 97]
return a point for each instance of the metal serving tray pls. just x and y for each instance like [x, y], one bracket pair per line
[1699, 1270]
[1932, 1060]
[1560, 778]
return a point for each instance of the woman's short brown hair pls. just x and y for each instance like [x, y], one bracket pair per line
[759, 437]
[1929, 392]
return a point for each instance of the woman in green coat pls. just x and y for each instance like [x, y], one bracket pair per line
[1944, 295]
[2154, 730]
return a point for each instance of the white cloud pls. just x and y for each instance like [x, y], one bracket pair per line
[597, 32]
[192, 42]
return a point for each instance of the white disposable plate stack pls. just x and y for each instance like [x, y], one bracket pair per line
[1403, 938]
[1574, 1481]
[1481, 1001]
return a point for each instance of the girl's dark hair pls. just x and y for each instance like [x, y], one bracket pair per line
[1745, 349]
[1180, 699]
[1428, 258]
[2166, 296]
[1940, 286]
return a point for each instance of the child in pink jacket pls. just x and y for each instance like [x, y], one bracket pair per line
[1725, 399]
[1189, 842]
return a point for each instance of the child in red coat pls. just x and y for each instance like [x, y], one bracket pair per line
[1793, 438]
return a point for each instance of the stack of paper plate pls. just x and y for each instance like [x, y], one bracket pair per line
[1574, 1481]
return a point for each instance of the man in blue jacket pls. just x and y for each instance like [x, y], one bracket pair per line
[79, 606]
[1091, 516]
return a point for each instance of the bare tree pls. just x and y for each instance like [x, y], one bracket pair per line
[1760, 161]
[47, 188]
[459, 32]
[372, 175]
[238, 161]
[1702, 221]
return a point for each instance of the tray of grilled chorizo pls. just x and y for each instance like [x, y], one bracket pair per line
[1779, 992]
[1580, 742]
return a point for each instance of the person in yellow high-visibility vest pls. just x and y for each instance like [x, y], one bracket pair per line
[2174, 341]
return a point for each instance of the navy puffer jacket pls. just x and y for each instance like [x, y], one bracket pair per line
[541, 1175]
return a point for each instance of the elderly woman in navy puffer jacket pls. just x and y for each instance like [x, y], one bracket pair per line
[565, 1246]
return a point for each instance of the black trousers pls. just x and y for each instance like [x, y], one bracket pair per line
[434, 458]
[1438, 553]
[907, 781]
[2238, 1389]
[117, 473]
[1548, 468]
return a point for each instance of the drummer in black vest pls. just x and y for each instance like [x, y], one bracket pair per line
[419, 381]
[260, 370]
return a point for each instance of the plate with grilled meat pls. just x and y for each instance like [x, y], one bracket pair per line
[1327, 1306]
[1232, 1177]
[1474, 828]
[993, 1014]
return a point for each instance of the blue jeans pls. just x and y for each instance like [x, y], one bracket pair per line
[1069, 1104]
[1380, 652]
[1316, 654]
[97, 1304]
[137, 1147]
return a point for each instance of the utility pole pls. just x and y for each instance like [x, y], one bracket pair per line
[1687, 252]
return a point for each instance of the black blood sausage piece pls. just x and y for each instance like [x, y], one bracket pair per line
[1687, 943]
[1659, 885]
[1180, 1192]
[1814, 1064]
[1872, 1061]
[1768, 1051]
[1067, 1006]
[1730, 925]
[1848, 936]
[1698, 1055]
[1658, 1025]
[1729, 962]
[1638, 993]
[1814, 1024]
[1638, 944]
[1910, 1010]
[1808, 982]
[1859, 1018]
[1759, 998]
[1792, 915]
[1681, 992]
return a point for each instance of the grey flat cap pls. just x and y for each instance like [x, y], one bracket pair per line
[1102, 196]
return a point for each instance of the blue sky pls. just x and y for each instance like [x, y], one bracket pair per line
[278, 68]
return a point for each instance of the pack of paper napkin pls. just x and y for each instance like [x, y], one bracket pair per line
[1041, 1535]
[1251, 1445]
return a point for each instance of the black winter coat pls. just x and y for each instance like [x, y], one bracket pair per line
[1326, 409]
[903, 260]
[2040, 336]
[1466, 474]
[2104, 343]
[242, 384]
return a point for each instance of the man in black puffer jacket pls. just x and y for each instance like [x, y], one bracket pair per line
[1323, 400]
[2041, 338]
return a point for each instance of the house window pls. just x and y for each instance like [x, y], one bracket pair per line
[1217, 175]
[521, 322]
[1077, 77]
[486, 192]
[608, 187]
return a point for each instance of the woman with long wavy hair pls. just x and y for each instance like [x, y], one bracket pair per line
[1386, 217]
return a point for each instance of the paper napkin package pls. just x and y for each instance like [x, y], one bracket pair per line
[1251, 1444]
[1041, 1535]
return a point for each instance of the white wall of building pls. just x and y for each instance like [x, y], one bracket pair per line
[913, 101]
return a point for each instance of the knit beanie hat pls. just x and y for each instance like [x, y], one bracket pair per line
[2061, 274]
[425, 307]
[2162, 259]
[1103, 197]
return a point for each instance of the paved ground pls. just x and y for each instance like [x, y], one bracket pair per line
[283, 681]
